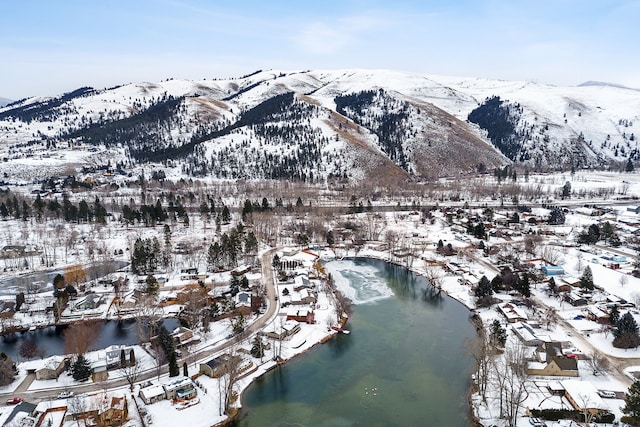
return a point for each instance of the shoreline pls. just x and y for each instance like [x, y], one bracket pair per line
[238, 409]
[473, 419]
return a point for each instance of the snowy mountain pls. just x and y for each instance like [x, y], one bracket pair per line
[4, 101]
[318, 125]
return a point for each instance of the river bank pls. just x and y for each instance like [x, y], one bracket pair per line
[402, 350]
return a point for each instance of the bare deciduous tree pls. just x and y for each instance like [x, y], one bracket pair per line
[514, 387]
[30, 350]
[81, 337]
[230, 372]
[148, 317]
[550, 317]
[434, 276]
[480, 350]
[131, 372]
[597, 362]
[551, 255]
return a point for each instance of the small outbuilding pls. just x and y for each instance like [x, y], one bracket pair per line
[553, 270]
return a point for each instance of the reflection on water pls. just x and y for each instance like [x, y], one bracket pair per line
[51, 339]
[404, 364]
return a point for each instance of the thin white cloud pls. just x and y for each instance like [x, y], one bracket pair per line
[325, 38]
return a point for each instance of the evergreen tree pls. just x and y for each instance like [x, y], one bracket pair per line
[629, 167]
[275, 263]
[165, 340]
[257, 349]
[614, 315]
[226, 215]
[132, 357]
[497, 334]
[330, 239]
[524, 286]
[174, 370]
[185, 369]
[213, 255]
[59, 282]
[479, 231]
[496, 283]
[632, 401]
[552, 285]
[250, 243]
[566, 190]
[626, 332]
[484, 288]
[556, 217]
[247, 210]
[81, 369]
[123, 358]
[586, 280]
[151, 285]
[38, 206]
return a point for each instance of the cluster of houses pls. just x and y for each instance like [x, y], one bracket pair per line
[297, 292]
[105, 412]
[101, 363]
[548, 358]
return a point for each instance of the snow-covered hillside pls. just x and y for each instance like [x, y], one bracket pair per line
[341, 124]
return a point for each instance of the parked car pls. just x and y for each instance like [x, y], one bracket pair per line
[65, 395]
[14, 401]
[536, 422]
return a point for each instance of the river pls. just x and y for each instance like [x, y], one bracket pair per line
[404, 364]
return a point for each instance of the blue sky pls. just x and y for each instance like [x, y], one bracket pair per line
[50, 47]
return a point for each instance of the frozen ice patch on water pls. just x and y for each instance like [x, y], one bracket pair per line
[360, 283]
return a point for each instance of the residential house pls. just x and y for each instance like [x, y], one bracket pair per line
[575, 299]
[552, 362]
[303, 297]
[526, 334]
[567, 283]
[89, 302]
[113, 354]
[301, 281]
[512, 312]
[286, 329]
[116, 414]
[243, 302]
[214, 368]
[584, 395]
[183, 336]
[22, 413]
[597, 314]
[52, 370]
[181, 388]
[305, 315]
[51, 417]
[189, 273]
[151, 393]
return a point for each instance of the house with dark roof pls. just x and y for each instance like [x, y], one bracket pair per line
[551, 361]
[215, 367]
[21, 411]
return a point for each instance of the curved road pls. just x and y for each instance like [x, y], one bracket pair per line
[203, 354]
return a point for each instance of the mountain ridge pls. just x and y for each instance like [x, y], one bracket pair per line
[419, 123]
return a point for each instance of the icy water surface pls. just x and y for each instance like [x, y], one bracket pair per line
[404, 363]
